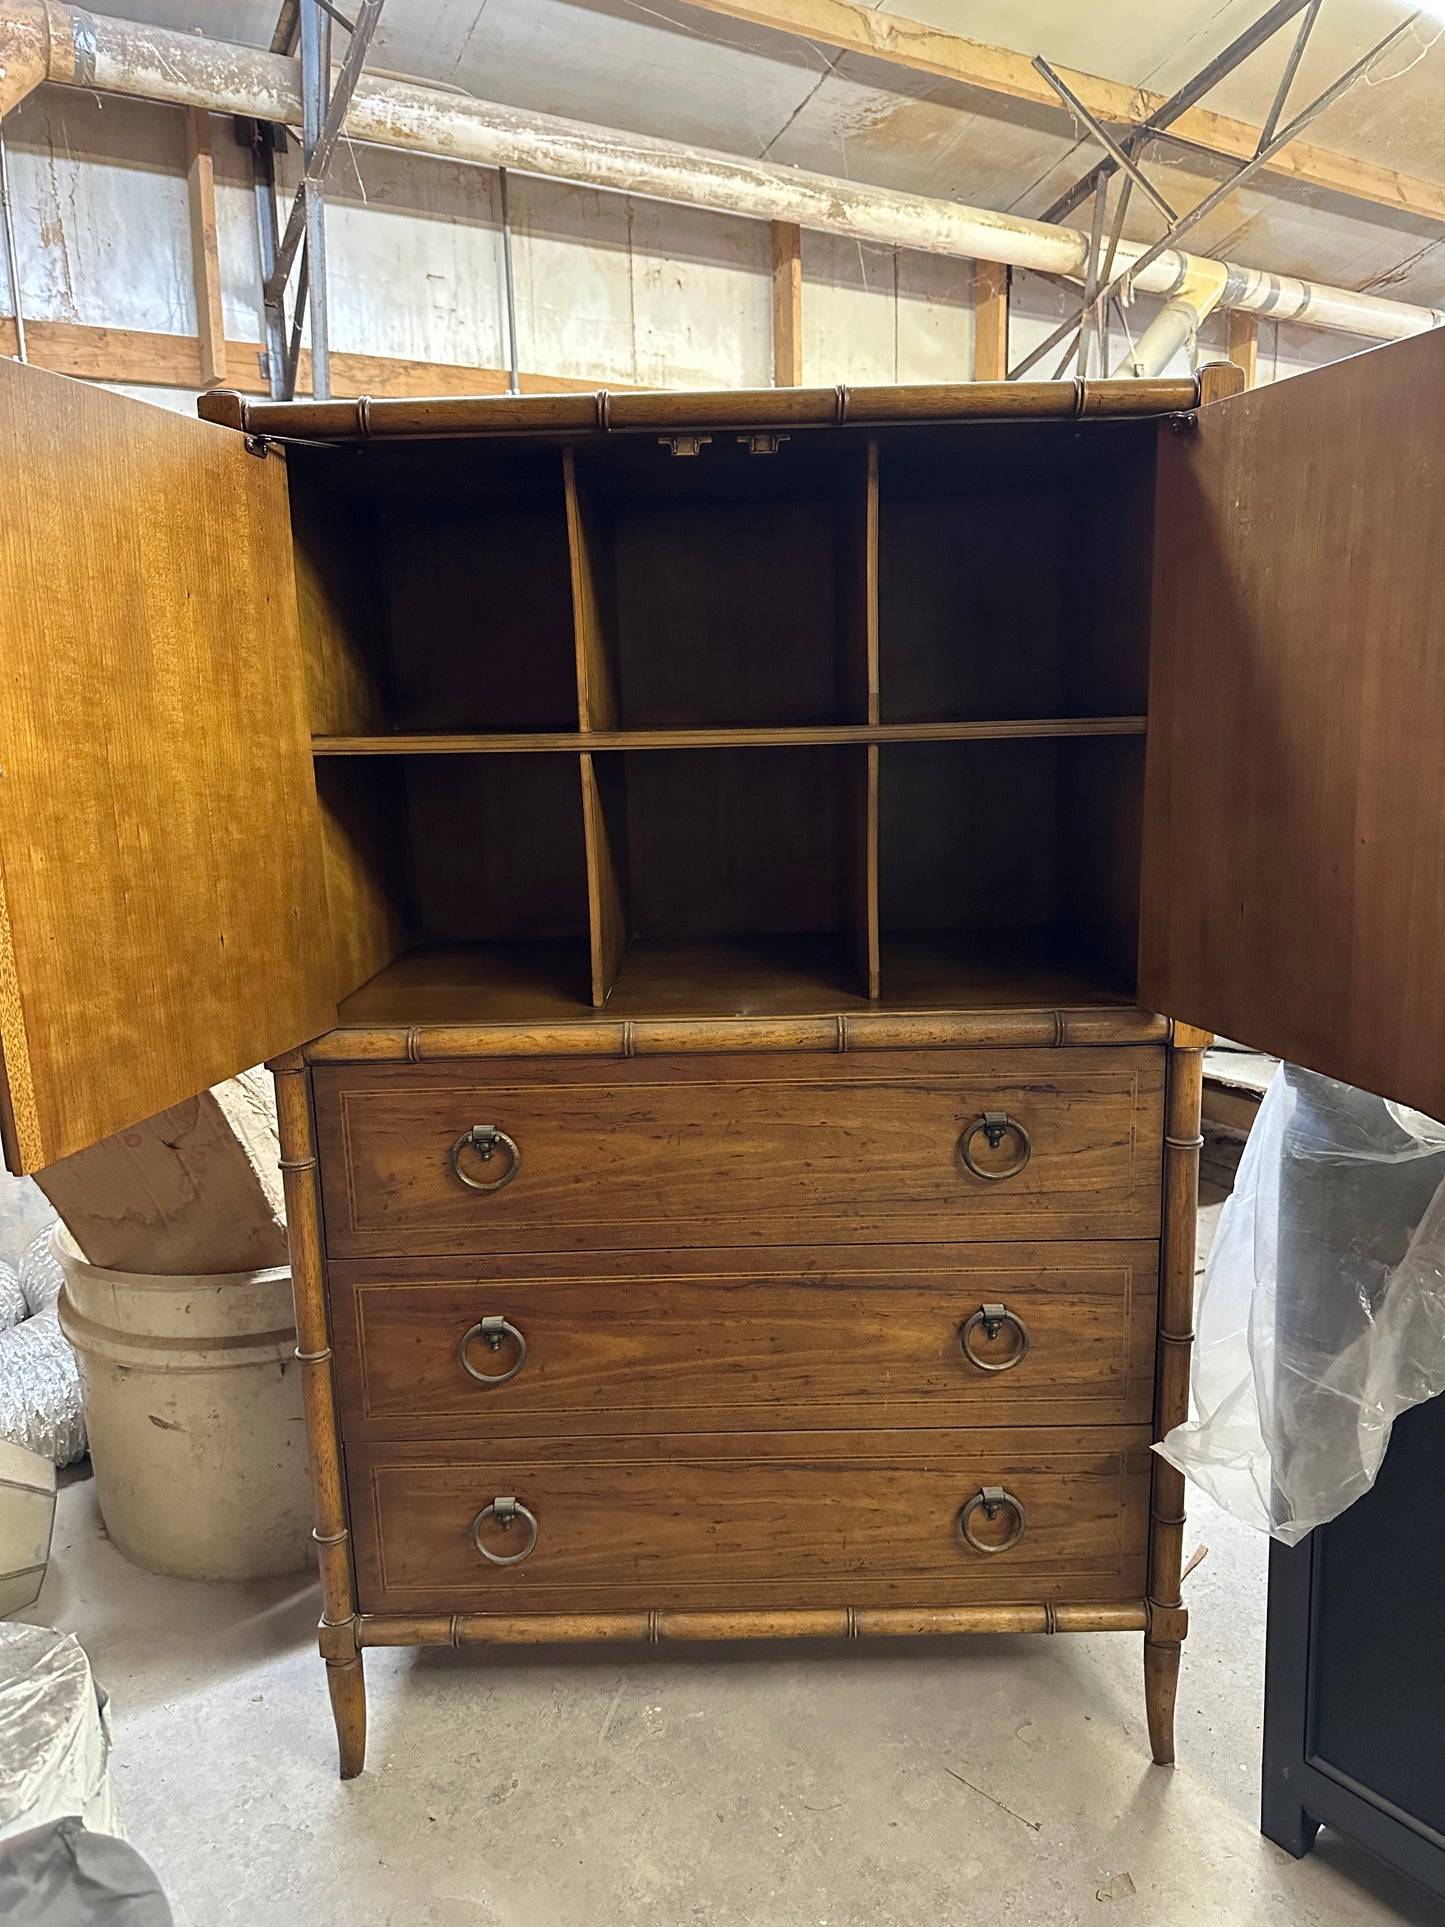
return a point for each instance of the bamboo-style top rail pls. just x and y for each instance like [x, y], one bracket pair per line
[606, 413]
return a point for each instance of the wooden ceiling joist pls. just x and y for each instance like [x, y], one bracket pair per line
[912, 44]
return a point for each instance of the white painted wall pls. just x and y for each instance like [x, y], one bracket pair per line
[609, 288]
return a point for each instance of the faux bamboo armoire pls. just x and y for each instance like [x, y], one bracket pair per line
[705, 869]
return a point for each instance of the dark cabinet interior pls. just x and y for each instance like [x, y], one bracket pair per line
[778, 724]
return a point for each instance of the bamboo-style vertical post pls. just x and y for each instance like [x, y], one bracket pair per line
[1168, 1620]
[337, 1631]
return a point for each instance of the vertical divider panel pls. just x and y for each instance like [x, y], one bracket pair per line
[593, 610]
[860, 691]
[604, 817]
[858, 841]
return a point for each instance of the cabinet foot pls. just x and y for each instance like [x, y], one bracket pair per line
[1289, 1827]
[347, 1685]
[1161, 1687]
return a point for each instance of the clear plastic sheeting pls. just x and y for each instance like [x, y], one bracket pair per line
[54, 1734]
[1322, 1313]
[39, 1383]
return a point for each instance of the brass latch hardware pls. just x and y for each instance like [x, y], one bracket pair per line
[763, 444]
[684, 444]
[484, 1139]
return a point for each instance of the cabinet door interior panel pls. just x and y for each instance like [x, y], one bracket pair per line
[766, 1519]
[1294, 850]
[980, 1335]
[650, 1153]
[159, 843]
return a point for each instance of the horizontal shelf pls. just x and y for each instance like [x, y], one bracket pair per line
[732, 977]
[819, 735]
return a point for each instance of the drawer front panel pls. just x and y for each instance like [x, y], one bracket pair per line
[656, 1153]
[731, 1522]
[704, 1342]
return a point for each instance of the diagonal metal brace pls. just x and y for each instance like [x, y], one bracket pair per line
[1105, 139]
[319, 160]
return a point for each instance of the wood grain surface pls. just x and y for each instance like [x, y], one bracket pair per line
[653, 1153]
[762, 1519]
[158, 824]
[699, 1341]
[1294, 844]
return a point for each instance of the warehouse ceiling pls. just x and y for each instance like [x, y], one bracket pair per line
[691, 74]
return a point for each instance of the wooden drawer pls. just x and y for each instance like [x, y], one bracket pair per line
[771, 1519]
[650, 1153]
[687, 1342]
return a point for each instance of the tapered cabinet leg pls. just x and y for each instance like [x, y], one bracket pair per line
[347, 1684]
[1161, 1689]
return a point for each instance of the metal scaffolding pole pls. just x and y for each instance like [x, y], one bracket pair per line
[514, 380]
[12, 256]
[315, 82]
[324, 107]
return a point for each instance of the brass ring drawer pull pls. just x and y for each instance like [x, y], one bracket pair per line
[994, 1124]
[993, 1318]
[506, 1512]
[484, 1139]
[993, 1499]
[491, 1331]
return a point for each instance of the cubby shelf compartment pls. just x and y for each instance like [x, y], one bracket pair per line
[1014, 571]
[760, 856]
[857, 721]
[723, 588]
[434, 589]
[517, 743]
[1009, 863]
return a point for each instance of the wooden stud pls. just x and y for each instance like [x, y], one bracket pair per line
[174, 361]
[205, 253]
[337, 1637]
[1244, 345]
[1168, 1621]
[787, 240]
[990, 321]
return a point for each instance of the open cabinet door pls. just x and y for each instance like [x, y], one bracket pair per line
[160, 896]
[1294, 844]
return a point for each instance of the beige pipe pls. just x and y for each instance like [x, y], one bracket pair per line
[24, 50]
[129, 57]
[1178, 321]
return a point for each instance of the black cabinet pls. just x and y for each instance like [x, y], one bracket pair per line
[1354, 1732]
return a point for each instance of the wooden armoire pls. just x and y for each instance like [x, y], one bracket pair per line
[704, 869]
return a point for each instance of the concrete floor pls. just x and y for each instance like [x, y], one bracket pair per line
[912, 1784]
[907, 1784]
